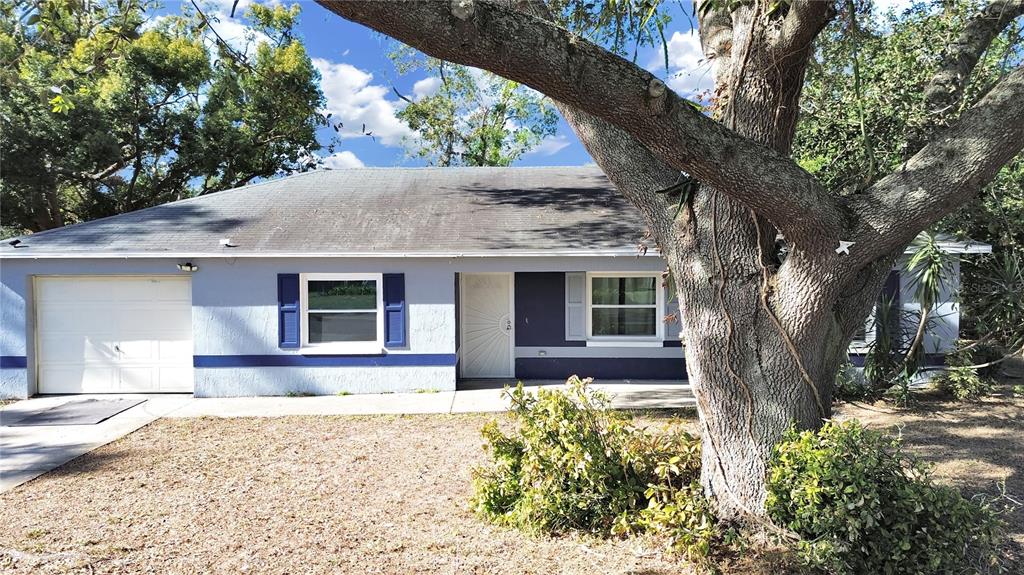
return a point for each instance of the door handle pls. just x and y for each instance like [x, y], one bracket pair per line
[117, 348]
[508, 325]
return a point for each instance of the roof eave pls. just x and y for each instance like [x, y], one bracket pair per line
[232, 253]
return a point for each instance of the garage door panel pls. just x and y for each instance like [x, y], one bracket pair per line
[78, 379]
[138, 379]
[175, 379]
[172, 292]
[76, 349]
[146, 320]
[175, 348]
[114, 334]
[77, 319]
[140, 350]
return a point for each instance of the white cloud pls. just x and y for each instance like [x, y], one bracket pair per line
[689, 72]
[232, 30]
[684, 50]
[342, 160]
[425, 87]
[883, 6]
[235, 33]
[551, 145]
[355, 102]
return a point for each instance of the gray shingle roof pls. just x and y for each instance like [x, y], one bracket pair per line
[418, 211]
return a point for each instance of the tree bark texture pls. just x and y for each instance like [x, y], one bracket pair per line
[764, 335]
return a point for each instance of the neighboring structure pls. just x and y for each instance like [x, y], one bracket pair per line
[364, 280]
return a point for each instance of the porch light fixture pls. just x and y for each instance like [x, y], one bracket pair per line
[227, 243]
[188, 267]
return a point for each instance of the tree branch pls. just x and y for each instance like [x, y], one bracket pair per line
[583, 75]
[715, 29]
[945, 89]
[632, 168]
[952, 168]
[806, 18]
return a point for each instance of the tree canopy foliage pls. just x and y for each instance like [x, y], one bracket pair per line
[473, 117]
[107, 109]
[863, 111]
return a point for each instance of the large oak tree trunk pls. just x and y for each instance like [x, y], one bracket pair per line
[758, 361]
[748, 383]
[752, 378]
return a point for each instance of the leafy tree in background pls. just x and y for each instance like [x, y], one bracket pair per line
[864, 112]
[474, 118]
[106, 109]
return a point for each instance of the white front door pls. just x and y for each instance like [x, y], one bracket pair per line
[113, 334]
[487, 325]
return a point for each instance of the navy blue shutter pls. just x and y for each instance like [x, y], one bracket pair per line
[289, 332]
[394, 310]
[891, 296]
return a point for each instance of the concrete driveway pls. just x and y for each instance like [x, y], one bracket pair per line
[28, 452]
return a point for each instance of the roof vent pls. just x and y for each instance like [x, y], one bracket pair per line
[227, 243]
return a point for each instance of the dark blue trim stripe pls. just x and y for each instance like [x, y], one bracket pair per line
[601, 367]
[389, 360]
[930, 359]
[13, 361]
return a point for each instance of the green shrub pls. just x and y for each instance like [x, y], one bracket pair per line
[850, 385]
[961, 381]
[679, 512]
[571, 463]
[861, 505]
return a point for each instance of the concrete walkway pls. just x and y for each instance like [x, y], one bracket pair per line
[624, 396]
[28, 452]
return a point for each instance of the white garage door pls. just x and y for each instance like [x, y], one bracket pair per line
[114, 334]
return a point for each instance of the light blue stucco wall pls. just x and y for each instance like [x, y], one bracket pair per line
[234, 313]
[944, 323]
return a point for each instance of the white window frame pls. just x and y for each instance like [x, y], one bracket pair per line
[341, 347]
[864, 345]
[626, 340]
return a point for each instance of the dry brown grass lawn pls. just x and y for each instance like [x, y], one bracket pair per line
[284, 495]
[364, 495]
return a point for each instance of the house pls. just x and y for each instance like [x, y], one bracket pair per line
[360, 281]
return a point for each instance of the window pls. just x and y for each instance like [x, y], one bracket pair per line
[864, 337]
[343, 313]
[625, 306]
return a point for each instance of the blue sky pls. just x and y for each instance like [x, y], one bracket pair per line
[357, 79]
